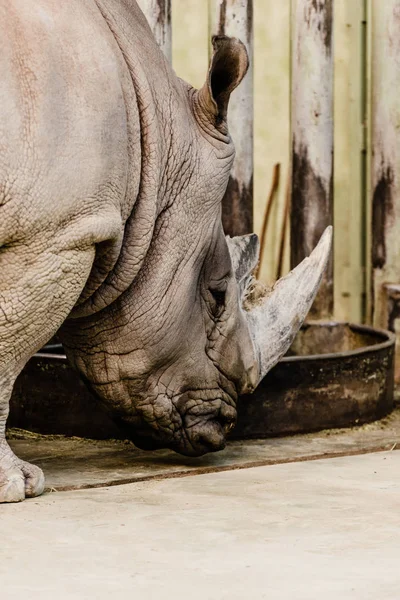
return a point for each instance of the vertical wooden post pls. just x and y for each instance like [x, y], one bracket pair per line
[385, 165]
[158, 14]
[235, 18]
[312, 136]
[350, 143]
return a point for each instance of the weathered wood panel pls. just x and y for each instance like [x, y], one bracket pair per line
[235, 18]
[385, 162]
[271, 131]
[392, 304]
[158, 14]
[271, 125]
[190, 41]
[312, 136]
[350, 159]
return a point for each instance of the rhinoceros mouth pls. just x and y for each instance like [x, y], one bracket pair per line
[192, 422]
[205, 438]
[206, 421]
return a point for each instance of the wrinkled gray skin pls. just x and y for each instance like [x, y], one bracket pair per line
[112, 172]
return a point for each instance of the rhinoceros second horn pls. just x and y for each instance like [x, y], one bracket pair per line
[276, 317]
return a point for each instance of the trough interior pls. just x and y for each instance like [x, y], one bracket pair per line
[332, 338]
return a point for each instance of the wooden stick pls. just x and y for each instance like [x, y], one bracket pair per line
[270, 202]
[285, 218]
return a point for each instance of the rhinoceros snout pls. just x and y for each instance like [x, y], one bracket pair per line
[203, 426]
[209, 435]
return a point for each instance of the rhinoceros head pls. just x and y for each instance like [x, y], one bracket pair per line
[195, 330]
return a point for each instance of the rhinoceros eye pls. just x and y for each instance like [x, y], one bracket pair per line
[218, 294]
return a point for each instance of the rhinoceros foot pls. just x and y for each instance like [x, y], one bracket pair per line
[18, 479]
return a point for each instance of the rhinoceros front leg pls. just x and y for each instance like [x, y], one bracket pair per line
[35, 299]
[18, 479]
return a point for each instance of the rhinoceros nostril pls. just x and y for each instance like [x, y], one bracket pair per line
[227, 422]
[228, 427]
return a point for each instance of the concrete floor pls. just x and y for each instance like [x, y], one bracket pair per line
[76, 463]
[321, 529]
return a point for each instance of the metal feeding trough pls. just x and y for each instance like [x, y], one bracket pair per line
[336, 375]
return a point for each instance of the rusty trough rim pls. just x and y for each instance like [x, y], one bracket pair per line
[389, 341]
[50, 355]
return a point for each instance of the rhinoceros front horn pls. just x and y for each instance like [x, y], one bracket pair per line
[275, 316]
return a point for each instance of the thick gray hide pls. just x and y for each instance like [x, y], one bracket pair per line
[112, 172]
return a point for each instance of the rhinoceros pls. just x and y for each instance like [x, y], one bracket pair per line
[112, 172]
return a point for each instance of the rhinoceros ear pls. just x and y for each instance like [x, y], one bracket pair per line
[228, 66]
[244, 251]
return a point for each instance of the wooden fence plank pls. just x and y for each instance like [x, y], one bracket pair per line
[350, 160]
[385, 163]
[235, 18]
[190, 42]
[158, 14]
[312, 136]
[271, 126]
